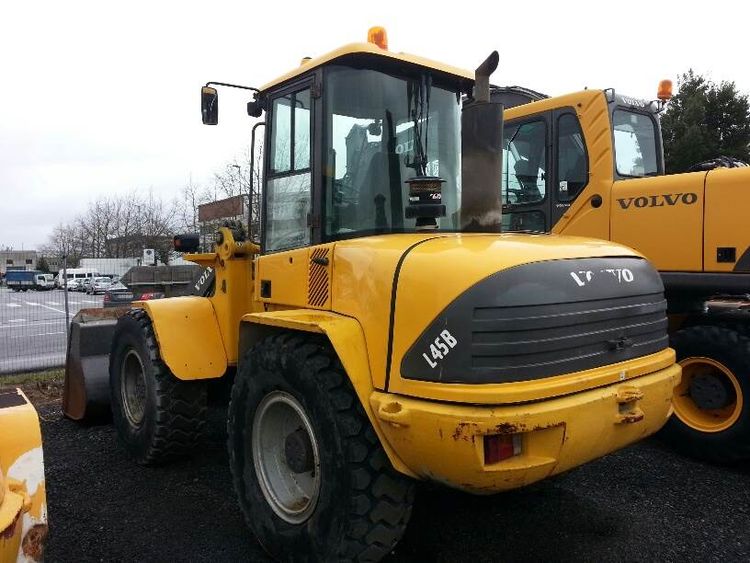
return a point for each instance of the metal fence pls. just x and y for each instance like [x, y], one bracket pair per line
[32, 329]
[34, 318]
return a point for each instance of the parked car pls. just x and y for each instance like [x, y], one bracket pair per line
[98, 285]
[119, 295]
[75, 284]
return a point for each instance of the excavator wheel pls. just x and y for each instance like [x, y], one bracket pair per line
[157, 416]
[311, 476]
[712, 402]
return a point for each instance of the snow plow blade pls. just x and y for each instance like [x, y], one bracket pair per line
[86, 391]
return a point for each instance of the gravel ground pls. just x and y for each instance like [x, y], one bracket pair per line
[643, 503]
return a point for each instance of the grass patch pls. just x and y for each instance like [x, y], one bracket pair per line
[46, 376]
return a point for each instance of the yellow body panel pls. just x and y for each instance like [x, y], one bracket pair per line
[23, 499]
[444, 442]
[287, 272]
[190, 340]
[727, 202]
[367, 49]
[198, 336]
[662, 217]
[362, 287]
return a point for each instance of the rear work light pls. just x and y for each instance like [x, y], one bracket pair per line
[498, 447]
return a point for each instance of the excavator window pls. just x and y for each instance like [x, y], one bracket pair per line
[288, 184]
[572, 167]
[635, 144]
[382, 129]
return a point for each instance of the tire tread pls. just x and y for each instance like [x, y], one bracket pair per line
[380, 511]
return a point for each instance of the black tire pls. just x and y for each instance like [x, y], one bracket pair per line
[173, 412]
[363, 504]
[732, 350]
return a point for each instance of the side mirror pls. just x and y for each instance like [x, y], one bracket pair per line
[209, 105]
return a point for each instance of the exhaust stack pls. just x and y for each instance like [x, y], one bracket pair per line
[482, 156]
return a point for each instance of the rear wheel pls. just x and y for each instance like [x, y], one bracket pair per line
[712, 402]
[311, 476]
[157, 416]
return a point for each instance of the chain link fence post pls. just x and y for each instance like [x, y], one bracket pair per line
[65, 300]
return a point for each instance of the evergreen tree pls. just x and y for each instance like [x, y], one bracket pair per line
[705, 120]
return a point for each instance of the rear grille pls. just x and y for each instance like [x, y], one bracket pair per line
[544, 319]
[535, 341]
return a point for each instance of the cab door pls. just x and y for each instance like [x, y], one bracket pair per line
[571, 166]
[294, 268]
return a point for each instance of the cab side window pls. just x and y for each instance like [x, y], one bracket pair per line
[289, 178]
[525, 165]
[572, 165]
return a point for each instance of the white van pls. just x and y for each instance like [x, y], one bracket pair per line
[77, 274]
[44, 281]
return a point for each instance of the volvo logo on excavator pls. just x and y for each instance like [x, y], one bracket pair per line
[659, 200]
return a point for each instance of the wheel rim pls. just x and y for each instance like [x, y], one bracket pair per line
[286, 457]
[709, 397]
[133, 387]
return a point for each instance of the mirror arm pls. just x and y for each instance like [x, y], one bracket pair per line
[232, 86]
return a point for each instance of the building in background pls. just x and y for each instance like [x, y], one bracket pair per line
[17, 260]
[110, 266]
[213, 215]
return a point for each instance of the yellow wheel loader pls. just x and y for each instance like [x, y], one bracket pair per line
[23, 500]
[383, 330]
[591, 164]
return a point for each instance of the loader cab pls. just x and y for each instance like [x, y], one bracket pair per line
[345, 137]
[548, 162]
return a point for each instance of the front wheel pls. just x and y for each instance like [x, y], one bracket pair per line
[711, 417]
[157, 416]
[311, 476]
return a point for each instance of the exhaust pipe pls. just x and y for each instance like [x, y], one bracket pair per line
[481, 155]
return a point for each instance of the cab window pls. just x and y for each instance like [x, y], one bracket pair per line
[635, 143]
[525, 165]
[288, 183]
[572, 168]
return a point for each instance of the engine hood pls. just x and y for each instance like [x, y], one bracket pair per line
[403, 288]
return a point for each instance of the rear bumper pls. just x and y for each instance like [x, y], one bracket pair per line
[444, 442]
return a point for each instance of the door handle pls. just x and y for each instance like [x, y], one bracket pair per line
[596, 201]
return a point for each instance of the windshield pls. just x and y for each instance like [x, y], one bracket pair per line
[382, 130]
[635, 143]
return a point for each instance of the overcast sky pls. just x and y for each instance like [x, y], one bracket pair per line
[103, 97]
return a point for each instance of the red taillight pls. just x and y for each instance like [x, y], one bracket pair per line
[498, 447]
[107, 298]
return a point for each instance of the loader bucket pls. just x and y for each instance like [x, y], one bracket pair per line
[86, 391]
